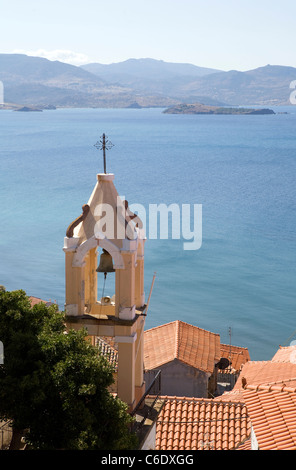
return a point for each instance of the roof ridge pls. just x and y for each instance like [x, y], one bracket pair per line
[160, 326]
[272, 364]
[177, 345]
[233, 346]
[196, 347]
[259, 362]
[210, 401]
[276, 387]
[283, 381]
[187, 324]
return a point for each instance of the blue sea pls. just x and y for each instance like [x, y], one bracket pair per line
[241, 169]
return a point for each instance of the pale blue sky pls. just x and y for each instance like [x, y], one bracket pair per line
[223, 34]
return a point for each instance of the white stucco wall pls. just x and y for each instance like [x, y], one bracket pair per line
[149, 443]
[254, 443]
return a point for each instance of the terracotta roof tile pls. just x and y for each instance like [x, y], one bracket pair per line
[246, 445]
[266, 373]
[108, 351]
[36, 300]
[201, 424]
[273, 415]
[285, 354]
[179, 340]
[233, 396]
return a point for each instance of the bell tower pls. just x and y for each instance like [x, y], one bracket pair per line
[107, 225]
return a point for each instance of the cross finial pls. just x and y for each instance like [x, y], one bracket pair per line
[104, 144]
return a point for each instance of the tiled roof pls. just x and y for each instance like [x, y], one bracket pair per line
[201, 424]
[246, 445]
[233, 395]
[266, 373]
[179, 340]
[36, 300]
[108, 351]
[285, 354]
[235, 354]
[272, 411]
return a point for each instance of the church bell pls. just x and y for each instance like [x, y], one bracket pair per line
[106, 263]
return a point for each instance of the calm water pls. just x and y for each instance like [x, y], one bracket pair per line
[240, 168]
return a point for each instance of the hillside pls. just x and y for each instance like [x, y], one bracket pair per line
[146, 69]
[19, 67]
[151, 77]
[35, 81]
[267, 85]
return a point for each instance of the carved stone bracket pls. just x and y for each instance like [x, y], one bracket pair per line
[81, 218]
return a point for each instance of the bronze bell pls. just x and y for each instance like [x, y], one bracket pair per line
[106, 263]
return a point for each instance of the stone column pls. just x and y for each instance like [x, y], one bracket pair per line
[91, 278]
[125, 288]
[139, 361]
[74, 287]
[126, 369]
[139, 282]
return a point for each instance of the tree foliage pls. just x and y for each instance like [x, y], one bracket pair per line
[53, 383]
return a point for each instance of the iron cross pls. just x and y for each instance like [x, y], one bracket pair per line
[104, 144]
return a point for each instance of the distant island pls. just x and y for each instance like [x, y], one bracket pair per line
[199, 108]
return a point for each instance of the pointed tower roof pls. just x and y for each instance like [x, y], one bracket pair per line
[105, 214]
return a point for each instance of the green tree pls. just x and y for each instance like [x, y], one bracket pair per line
[53, 383]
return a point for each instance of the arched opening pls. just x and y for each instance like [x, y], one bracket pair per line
[96, 286]
[105, 278]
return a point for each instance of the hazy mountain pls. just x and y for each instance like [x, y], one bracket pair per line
[19, 67]
[189, 83]
[38, 81]
[138, 82]
[149, 75]
[267, 85]
[145, 69]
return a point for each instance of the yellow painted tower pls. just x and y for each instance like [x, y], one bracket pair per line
[106, 225]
